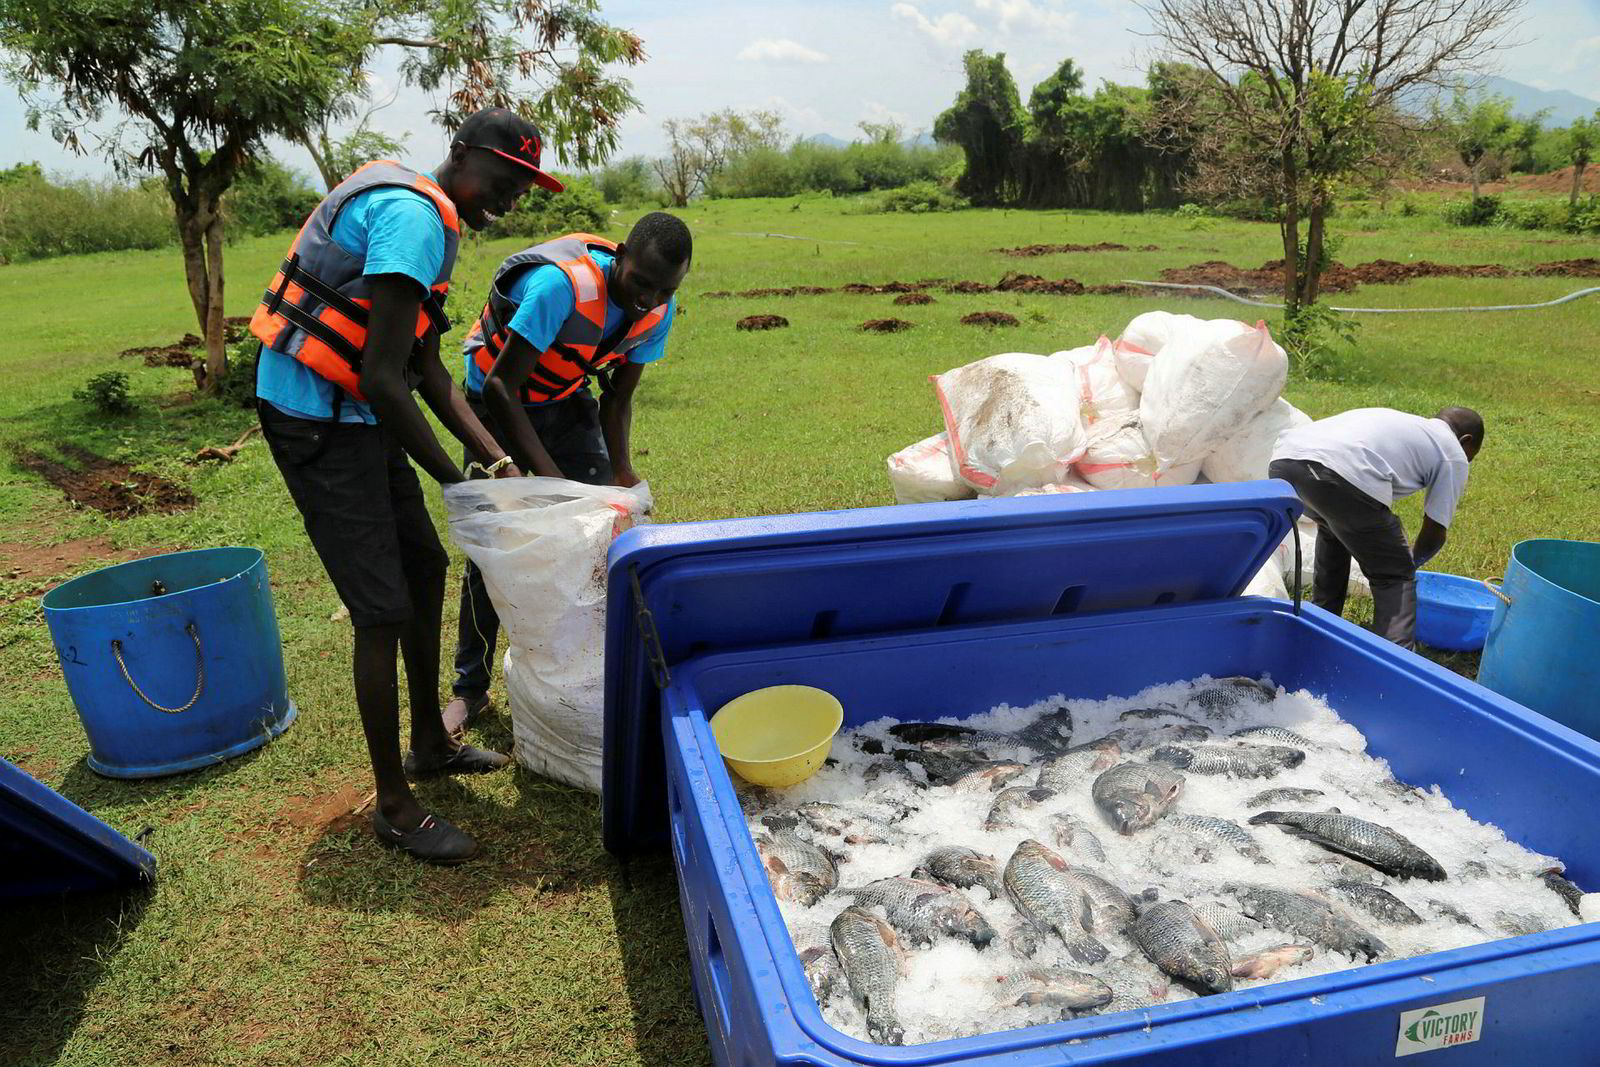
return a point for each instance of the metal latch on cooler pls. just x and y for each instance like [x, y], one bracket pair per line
[649, 637]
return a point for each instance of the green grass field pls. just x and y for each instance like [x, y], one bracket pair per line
[279, 933]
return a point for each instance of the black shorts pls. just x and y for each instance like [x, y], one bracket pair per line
[363, 509]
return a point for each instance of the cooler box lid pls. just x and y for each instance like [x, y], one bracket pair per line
[740, 583]
[50, 845]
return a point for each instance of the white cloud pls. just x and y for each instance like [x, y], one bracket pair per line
[952, 29]
[1025, 15]
[880, 113]
[780, 50]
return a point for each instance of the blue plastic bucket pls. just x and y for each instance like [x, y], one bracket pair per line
[174, 662]
[1453, 612]
[1543, 649]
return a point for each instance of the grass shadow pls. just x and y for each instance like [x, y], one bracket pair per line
[92, 791]
[667, 1024]
[62, 946]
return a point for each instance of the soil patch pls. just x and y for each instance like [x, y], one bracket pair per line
[1029, 251]
[97, 482]
[1011, 282]
[762, 322]
[886, 325]
[907, 299]
[1572, 268]
[1339, 278]
[989, 318]
[968, 287]
[188, 348]
[717, 294]
[39, 562]
[309, 813]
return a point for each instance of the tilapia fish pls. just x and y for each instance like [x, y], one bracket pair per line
[1051, 732]
[1273, 733]
[1036, 880]
[961, 867]
[797, 869]
[989, 777]
[1283, 794]
[1377, 902]
[1221, 830]
[1145, 714]
[1078, 765]
[1232, 926]
[853, 826]
[922, 910]
[1134, 984]
[871, 958]
[943, 769]
[1074, 835]
[1519, 925]
[822, 970]
[1237, 760]
[1308, 916]
[1110, 909]
[1134, 795]
[1184, 945]
[1265, 964]
[1219, 699]
[1009, 802]
[1567, 891]
[1061, 988]
[1377, 846]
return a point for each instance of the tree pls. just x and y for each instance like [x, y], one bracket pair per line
[1583, 137]
[1303, 96]
[1478, 128]
[699, 149]
[989, 126]
[200, 86]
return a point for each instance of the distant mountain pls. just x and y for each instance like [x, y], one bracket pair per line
[922, 139]
[1526, 101]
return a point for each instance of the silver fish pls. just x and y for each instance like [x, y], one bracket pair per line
[989, 777]
[1074, 835]
[1237, 760]
[1567, 891]
[797, 869]
[1035, 879]
[1222, 697]
[1134, 984]
[961, 867]
[1377, 902]
[1009, 802]
[883, 772]
[1273, 733]
[1173, 733]
[871, 958]
[1519, 925]
[1075, 766]
[1110, 909]
[1183, 945]
[1050, 732]
[939, 768]
[1377, 846]
[1222, 830]
[1142, 714]
[1282, 795]
[1451, 912]
[978, 746]
[1230, 925]
[1061, 988]
[1134, 795]
[922, 910]
[855, 827]
[1263, 965]
[1308, 916]
[822, 971]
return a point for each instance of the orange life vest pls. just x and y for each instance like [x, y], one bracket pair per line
[578, 349]
[316, 307]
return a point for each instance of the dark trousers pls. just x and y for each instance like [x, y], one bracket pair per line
[570, 431]
[1351, 523]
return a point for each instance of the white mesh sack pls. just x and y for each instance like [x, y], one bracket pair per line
[1012, 419]
[1102, 394]
[1207, 384]
[1245, 456]
[1119, 457]
[923, 473]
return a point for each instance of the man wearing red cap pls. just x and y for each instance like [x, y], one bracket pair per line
[350, 330]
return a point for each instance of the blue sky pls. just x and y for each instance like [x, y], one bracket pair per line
[827, 66]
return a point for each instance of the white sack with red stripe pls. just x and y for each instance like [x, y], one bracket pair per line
[923, 473]
[1118, 456]
[1013, 421]
[1244, 457]
[1070, 484]
[1102, 394]
[1143, 340]
[1207, 384]
[541, 544]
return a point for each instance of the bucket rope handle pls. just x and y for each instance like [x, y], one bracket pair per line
[1493, 585]
[199, 669]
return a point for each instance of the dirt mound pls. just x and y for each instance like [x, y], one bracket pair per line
[757, 293]
[1339, 278]
[717, 294]
[1116, 289]
[886, 325]
[811, 290]
[1572, 268]
[968, 287]
[906, 299]
[105, 485]
[185, 350]
[1012, 282]
[762, 322]
[989, 318]
[1029, 251]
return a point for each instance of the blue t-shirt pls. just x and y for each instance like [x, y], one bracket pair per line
[545, 300]
[400, 232]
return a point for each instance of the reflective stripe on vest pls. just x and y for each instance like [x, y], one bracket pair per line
[577, 350]
[316, 307]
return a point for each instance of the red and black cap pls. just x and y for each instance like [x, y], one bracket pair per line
[507, 134]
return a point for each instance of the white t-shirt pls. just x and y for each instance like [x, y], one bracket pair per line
[1386, 454]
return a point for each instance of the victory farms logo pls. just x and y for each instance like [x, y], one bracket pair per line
[1440, 1026]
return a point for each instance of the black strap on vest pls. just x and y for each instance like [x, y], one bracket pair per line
[293, 273]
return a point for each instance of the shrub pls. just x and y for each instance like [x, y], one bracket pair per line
[541, 214]
[627, 181]
[759, 172]
[1308, 336]
[239, 381]
[106, 393]
[40, 218]
[1585, 218]
[267, 197]
[1533, 214]
[919, 197]
[1479, 212]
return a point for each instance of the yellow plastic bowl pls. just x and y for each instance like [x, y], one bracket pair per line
[777, 736]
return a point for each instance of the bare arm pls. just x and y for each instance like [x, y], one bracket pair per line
[502, 390]
[1430, 539]
[391, 331]
[616, 421]
[439, 391]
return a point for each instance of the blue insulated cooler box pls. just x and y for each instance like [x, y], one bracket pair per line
[50, 845]
[950, 609]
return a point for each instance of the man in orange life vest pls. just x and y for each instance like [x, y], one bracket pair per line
[558, 313]
[349, 328]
